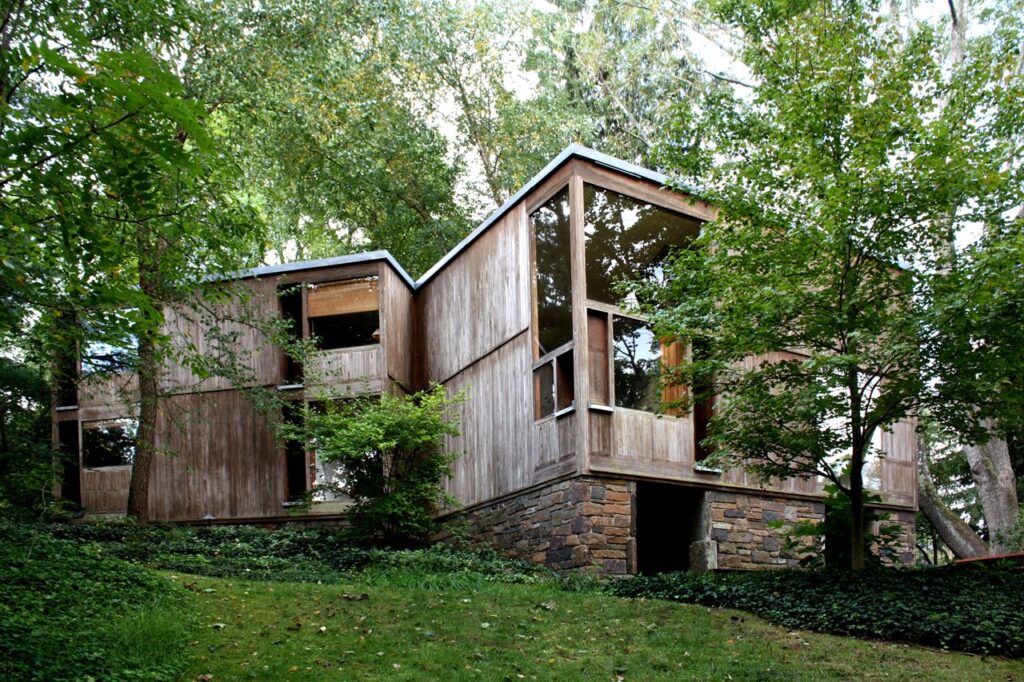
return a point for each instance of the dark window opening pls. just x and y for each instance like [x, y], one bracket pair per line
[296, 478]
[552, 259]
[71, 472]
[291, 312]
[66, 379]
[670, 528]
[565, 384]
[109, 443]
[628, 240]
[637, 355]
[346, 331]
[543, 391]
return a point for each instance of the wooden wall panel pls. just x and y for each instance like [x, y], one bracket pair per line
[107, 397]
[345, 366]
[218, 458]
[343, 298]
[478, 302]
[105, 490]
[899, 463]
[502, 448]
[397, 327]
[189, 327]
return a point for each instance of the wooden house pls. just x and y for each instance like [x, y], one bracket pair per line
[567, 458]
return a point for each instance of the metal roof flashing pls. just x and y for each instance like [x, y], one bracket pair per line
[572, 151]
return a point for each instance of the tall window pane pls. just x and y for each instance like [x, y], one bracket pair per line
[628, 240]
[637, 355]
[551, 252]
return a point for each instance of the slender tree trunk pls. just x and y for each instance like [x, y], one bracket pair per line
[953, 530]
[992, 472]
[858, 447]
[148, 372]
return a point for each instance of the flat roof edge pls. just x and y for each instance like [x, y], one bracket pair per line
[334, 261]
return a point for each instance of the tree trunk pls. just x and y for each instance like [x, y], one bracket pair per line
[857, 549]
[953, 530]
[148, 371]
[145, 446]
[992, 472]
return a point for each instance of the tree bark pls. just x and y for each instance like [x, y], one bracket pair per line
[148, 370]
[953, 530]
[992, 472]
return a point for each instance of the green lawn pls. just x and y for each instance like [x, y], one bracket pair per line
[471, 629]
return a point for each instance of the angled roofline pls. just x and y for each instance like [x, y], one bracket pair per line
[572, 151]
[348, 259]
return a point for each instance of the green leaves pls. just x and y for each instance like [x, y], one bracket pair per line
[391, 454]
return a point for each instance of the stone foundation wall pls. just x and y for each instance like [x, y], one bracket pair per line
[906, 537]
[740, 532]
[589, 523]
[582, 523]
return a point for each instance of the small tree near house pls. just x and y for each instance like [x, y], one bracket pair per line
[391, 457]
[853, 154]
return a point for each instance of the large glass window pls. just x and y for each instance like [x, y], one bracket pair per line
[109, 442]
[628, 240]
[554, 285]
[637, 356]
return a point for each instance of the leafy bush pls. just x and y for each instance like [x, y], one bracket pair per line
[391, 456]
[978, 610]
[69, 613]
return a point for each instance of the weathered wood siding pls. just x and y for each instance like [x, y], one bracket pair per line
[218, 458]
[899, 463]
[480, 301]
[105, 490]
[396, 333]
[238, 322]
[106, 397]
[354, 369]
[503, 450]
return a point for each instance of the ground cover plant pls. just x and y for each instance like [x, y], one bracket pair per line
[301, 603]
[68, 612]
[978, 609]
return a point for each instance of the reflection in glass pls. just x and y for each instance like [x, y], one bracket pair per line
[109, 443]
[637, 356]
[551, 250]
[628, 240]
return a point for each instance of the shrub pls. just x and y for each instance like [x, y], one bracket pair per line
[977, 610]
[392, 460]
[67, 612]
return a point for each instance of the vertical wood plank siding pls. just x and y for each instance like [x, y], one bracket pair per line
[478, 302]
[218, 458]
[397, 327]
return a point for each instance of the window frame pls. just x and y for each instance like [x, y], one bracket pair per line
[556, 357]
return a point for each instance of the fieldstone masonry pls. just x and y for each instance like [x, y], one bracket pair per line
[740, 530]
[589, 523]
[581, 523]
[905, 538]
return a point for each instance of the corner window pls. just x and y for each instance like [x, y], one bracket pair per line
[109, 443]
[627, 364]
[552, 272]
[628, 240]
[637, 354]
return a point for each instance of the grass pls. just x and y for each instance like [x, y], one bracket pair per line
[407, 625]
